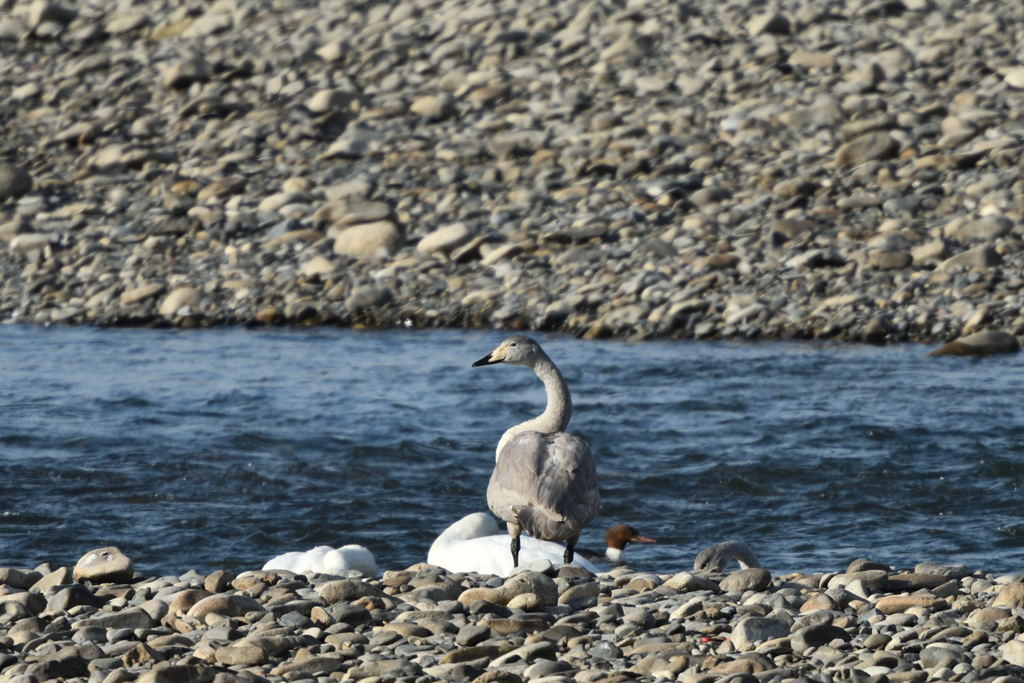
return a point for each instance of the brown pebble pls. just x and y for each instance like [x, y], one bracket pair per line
[894, 604]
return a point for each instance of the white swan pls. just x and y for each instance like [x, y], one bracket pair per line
[716, 558]
[476, 544]
[323, 559]
[544, 480]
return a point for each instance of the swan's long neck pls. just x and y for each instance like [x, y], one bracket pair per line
[555, 417]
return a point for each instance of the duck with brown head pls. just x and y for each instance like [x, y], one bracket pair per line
[544, 480]
[618, 537]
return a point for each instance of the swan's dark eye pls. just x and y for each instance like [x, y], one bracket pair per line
[512, 344]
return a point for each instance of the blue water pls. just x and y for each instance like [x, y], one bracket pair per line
[221, 448]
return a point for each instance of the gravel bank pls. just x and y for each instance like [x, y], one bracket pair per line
[102, 622]
[847, 170]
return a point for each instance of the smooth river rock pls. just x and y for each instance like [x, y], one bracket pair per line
[104, 565]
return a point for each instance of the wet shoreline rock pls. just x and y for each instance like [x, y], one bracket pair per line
[547, 623]
[983, 343]
[706, 172]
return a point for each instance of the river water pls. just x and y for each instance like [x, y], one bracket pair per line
[221, 448]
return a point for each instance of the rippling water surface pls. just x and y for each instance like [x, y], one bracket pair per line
[216, 449]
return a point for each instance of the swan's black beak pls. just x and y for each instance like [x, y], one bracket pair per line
[486, 360]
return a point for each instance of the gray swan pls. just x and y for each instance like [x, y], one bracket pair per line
[716, 558]
[544, 480]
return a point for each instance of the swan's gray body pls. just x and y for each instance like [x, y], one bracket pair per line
[544, 480]
[716, 558]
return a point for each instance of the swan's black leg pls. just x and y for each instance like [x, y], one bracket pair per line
[515, 550]
[570, 548]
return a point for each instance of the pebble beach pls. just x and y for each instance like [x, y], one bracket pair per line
[104, 622]
[787, 170]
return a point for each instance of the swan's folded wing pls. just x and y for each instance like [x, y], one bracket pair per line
[546, 481]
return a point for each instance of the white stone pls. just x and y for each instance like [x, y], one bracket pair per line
[368, 239]
[504, 251]
[316, 266]
[141, 293]
[28, 242]
[1013, 652]
[178, 299]
[433, 106]
[324, 101]
[980, 229]
[26, 91]
[445, 239]
[279, 199]
[749, 631]
[1015, 77]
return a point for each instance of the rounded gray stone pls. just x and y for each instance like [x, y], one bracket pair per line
[748, 632]
[749, 579]
[15, 181]
[104, 565]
